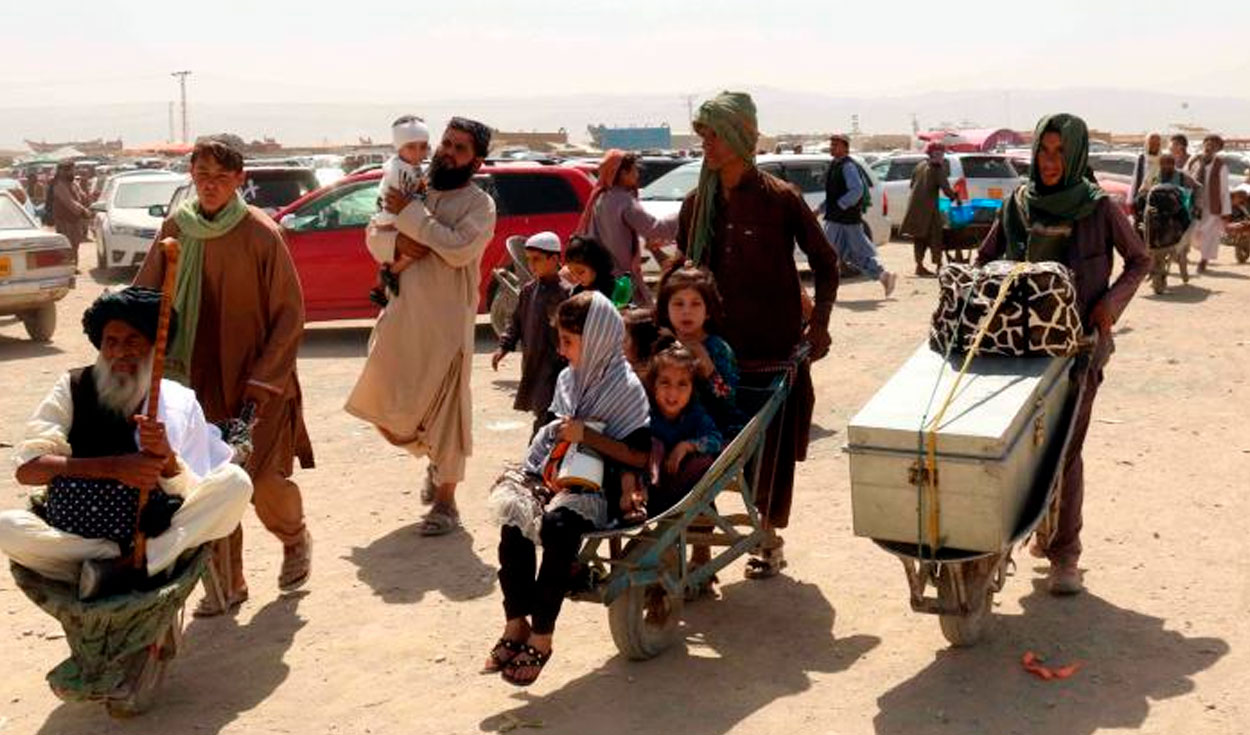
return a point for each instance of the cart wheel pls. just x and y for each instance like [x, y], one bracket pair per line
[644, 621]
[150, 665]
[1243, 253]
[962, 630]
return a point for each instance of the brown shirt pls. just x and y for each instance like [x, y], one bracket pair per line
[249, 331]
[752, 257]
[1089, 256]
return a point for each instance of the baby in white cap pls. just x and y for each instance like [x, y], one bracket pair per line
[403, 171]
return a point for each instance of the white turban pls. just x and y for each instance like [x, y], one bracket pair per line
[409, 129]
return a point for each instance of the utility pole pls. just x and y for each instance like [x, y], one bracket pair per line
[170, 139]
[689, 98]
[182, 83]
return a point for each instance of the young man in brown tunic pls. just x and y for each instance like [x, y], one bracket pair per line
[743, 224]
[241, 317]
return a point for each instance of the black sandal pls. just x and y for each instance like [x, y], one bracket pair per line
[504, 651]
[528, 658]
[378, 298]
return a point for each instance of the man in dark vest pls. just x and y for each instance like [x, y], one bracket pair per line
[846, 199]
[91, 445]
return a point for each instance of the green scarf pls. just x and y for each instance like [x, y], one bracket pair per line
[1038, 223]
[193, 230]
[731, 115]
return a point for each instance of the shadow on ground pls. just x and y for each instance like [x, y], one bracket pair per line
[226, 669]
[738, 668]
[1128, 660]
[401, 567]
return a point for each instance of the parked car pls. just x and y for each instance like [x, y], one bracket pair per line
[274, 187]
[124, 225]
[36, 269]
[1238, 167]
[19, 193]
[972, 176]
[1117, 165]
[650, 168]
[663, 197]
[325, 231]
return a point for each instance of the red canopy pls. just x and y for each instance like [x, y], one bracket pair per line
[974, 140]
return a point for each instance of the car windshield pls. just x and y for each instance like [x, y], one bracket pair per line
[674, 185]
[987, 167]
[12, 216]
[144, 194]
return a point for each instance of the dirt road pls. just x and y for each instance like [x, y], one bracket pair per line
[393, 628]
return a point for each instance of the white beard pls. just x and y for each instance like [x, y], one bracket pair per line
[121, 393]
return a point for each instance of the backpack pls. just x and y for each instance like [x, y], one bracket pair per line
[865, 202]
[1165, 217]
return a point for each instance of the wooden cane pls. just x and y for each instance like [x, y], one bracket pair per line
[169, 247]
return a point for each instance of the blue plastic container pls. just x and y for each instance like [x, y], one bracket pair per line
[976, 210]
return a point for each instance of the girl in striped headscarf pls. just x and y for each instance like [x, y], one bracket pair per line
[597, 387]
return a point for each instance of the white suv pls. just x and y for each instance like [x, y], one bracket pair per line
[664, 196]
[124, 225]
[972, 176]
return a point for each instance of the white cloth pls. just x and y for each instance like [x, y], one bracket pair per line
[215, 493]
[415, 384]
[411, 130]
[196, 442]
[397, 174]
[1207, 236]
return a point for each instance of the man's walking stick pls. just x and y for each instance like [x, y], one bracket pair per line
[169, 247]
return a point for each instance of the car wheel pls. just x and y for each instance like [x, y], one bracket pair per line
[40, 323]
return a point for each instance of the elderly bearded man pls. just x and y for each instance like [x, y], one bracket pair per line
[415, 384]
[241, 317]
[742, 224]
[89, 432]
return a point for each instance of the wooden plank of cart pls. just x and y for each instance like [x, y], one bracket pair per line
[640, 572]
[953, 518]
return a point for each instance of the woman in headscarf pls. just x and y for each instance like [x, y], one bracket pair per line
[1061, 216]
[598, 386]
[614, 216]
[923, 221]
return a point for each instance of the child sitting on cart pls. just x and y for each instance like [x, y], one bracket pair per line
[599, 386]
[685, 440]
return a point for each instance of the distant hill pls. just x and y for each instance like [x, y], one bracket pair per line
[781, 111]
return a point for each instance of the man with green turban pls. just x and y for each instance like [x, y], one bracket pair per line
[1061, 215]
[743, 225]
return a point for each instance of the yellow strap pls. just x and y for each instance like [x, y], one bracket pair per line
[933, 517]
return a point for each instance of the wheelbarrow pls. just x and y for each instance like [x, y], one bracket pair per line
[964, 583]
[119, 646]
[641, 572]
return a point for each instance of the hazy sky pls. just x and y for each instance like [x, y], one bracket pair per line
[412, 50]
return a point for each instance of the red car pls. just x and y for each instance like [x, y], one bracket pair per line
[325, 231]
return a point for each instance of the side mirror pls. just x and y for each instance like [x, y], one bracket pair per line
[100, 207]
[158, 210]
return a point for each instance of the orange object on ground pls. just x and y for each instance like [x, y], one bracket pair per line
[1033, 664]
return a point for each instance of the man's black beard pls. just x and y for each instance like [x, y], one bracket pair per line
[446, 178]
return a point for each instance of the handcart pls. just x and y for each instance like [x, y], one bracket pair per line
[641, 572]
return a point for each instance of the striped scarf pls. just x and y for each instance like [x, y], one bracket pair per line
[602, 387]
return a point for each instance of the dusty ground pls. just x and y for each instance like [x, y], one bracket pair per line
[393, 628]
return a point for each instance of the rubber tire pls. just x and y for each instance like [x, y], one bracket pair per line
[502, 305]
[962, 631]
[1243, 253]
[40, 323]
[637, 637]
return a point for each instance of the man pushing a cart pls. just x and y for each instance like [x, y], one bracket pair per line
[89, 443]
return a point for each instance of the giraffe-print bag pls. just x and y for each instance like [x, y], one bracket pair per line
[1038, 316]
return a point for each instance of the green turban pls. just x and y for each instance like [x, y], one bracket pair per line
[731, 115]
[1073, 198]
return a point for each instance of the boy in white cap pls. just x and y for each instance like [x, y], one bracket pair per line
[531, 325]
[403, 171]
